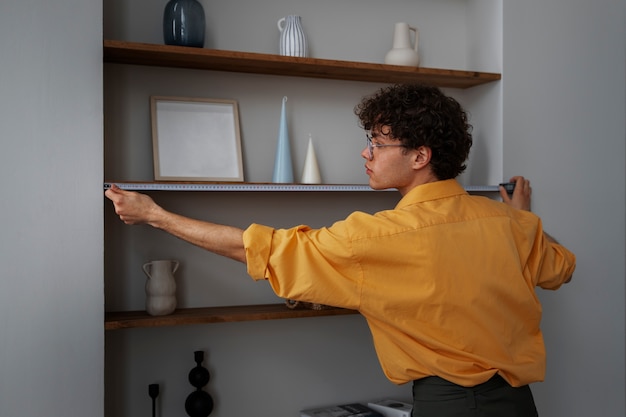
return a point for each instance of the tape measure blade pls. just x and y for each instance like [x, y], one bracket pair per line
[137, 186]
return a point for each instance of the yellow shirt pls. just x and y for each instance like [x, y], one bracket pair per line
[446, 281]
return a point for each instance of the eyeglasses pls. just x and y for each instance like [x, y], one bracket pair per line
[371, 146]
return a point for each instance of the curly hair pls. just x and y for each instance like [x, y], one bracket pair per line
[420, 115]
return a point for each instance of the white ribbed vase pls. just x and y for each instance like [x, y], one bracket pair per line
[292, 39]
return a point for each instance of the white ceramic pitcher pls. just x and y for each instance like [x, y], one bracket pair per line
[403, 52]
[292, 39]
[160, 287]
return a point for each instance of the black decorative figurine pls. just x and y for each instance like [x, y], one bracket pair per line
[199, 403]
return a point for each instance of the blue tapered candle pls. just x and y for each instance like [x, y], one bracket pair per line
[283, 167]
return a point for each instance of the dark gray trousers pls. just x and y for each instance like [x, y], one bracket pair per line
[436, 397]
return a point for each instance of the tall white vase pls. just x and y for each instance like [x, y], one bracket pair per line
[292, 39]
[283, 167]
[403, 52]
[311, 171]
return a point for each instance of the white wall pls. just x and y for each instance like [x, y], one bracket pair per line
[51, 291]
[564, 112]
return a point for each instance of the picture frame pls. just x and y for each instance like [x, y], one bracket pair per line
[196, 139]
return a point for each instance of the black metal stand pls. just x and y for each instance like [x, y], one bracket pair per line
[153, 392]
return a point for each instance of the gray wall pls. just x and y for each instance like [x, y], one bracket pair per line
[563, 107]
[564, 113]
[51, 279]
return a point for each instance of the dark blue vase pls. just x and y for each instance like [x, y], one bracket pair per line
[184, 23]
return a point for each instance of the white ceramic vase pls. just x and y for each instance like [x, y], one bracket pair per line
[403, 52]
[292, 39]
[160, 287]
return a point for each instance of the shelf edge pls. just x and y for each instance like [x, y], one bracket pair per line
[210, 315]
[135, 53]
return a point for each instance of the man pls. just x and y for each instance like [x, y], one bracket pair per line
[445, 280]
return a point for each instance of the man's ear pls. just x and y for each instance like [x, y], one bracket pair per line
[422, 157]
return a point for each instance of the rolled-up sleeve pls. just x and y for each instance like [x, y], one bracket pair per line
[304, 264]
[257, 240]
[557, 267]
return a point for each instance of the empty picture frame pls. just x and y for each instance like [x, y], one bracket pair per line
[195, 139]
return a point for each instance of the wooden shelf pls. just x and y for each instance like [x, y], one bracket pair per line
[123, 52]
[133, 319]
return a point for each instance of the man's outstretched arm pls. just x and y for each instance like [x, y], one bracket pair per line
[135, 208]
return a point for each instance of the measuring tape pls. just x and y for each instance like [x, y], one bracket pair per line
[157, 186]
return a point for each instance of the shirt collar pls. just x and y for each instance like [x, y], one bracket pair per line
[431, 191]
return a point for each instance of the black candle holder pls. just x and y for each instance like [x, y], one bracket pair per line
[199, 403]
[153, 392]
